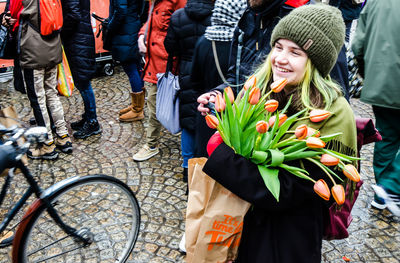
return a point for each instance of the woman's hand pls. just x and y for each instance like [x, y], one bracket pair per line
[142, 45]
[204, 99]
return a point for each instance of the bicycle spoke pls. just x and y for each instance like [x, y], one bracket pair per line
[51, 257]
[49, 245]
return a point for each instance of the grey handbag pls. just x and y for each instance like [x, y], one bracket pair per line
[167, 101]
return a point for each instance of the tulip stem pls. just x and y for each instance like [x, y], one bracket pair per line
[323, 167]
[282, 143]
[303, 118]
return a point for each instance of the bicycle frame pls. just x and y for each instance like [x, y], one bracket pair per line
[33, 188]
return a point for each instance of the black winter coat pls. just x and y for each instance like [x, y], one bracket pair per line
[78, 39]
[256, 44]
[288, 231]
[124, 25]
[349, 10]
[186, 26]
[205, 77]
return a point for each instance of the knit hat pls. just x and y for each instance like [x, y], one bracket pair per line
[318, 29]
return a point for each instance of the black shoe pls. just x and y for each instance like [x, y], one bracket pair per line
[63, 143]
[77, 125]
[89, 128]
[32, 121]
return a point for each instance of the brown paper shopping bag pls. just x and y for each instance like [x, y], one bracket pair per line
[221, 227]
[200, 186]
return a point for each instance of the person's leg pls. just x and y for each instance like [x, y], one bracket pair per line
[90, 126]
[187, 146]
[153, 130]
[133, 112]
[38, 95]
[386, 153]
[131, 70]
[53, 101]
[89, 101]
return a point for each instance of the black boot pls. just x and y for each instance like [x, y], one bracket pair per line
[77, 125]
[89, 128]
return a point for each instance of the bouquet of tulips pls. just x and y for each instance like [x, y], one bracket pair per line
[255, 129]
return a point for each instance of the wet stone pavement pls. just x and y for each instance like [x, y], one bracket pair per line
[157, 183]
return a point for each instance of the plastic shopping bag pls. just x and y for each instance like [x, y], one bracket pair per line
[65, 83]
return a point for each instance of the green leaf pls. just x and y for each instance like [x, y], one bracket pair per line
[300, 154]
[266, 141]
[296, 172]
[287, 105]
[329, 137]
[341, 156]
[293, 168]
[271, 180]
[277, 157]
[294, 147]
[258, 157]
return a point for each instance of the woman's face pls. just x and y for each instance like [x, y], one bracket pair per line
[288, 61]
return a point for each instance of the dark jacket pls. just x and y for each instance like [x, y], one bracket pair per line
[349, 10]
[124, 26]
[186, 26]
[256, 44]
[287, 231]
[78, 39]
[204, 77]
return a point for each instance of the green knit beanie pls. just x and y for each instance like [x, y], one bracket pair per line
[318, 29]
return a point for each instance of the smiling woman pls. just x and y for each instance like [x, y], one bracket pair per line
[305, 45]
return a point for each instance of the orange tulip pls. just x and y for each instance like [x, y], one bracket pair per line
[229, 92]
[212, 121]
[313, 132]
[282, 119]
[254, 96]
[351, 172]
[271, 105]
[338, 194]
[278, 85]
[250, 83]
[319, 115]
[219, 103]
[329, 160]
[313, 142]
[322, 189]
[262, 127]
[301, 132]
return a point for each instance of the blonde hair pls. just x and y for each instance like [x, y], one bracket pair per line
[313, 92]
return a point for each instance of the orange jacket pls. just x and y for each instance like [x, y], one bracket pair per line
[156, 56]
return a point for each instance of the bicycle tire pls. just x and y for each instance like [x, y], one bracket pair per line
[85, 202]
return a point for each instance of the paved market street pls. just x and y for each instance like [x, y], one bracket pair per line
[158, 185]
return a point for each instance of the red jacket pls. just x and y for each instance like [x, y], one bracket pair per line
[156, 56]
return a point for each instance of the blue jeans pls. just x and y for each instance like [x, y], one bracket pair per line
[89, 102]
[187, 145]
[131, 69]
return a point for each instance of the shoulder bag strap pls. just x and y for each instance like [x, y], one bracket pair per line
[214, 49]
[146, 31]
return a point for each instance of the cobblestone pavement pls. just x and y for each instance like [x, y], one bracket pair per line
[157, 183]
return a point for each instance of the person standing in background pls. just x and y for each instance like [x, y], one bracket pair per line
[186, 26]
[205, 74]
[151, 44]
[350, 12]
[124, 25]
[78, 40]
[42, 55]
[376, 45]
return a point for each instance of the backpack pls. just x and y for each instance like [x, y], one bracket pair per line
[50, 17]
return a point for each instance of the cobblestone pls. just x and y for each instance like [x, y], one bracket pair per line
[157, 183]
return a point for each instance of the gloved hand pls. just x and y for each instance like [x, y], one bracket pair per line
[7, 157]
[213, 143]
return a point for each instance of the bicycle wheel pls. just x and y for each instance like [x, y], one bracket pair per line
[101, 206]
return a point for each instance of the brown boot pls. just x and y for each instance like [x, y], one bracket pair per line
[136, 113]
[125, 110]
